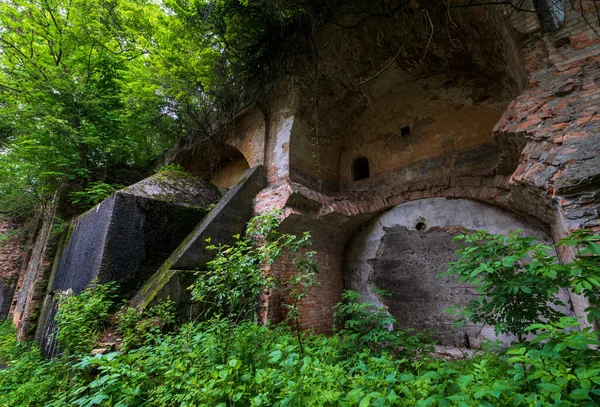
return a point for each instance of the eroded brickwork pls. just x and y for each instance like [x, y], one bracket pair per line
[559, 117]
[11, 259]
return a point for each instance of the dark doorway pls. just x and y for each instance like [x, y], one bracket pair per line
[360, 169]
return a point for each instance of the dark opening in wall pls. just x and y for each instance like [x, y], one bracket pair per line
[551, 14]
[360, 169]
[405, 131]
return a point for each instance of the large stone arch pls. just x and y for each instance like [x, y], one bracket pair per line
[413, 108]
[402, 251]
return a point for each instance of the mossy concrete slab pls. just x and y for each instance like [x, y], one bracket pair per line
[129, 235]
[227, 219]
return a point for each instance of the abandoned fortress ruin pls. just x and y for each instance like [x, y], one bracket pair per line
[405, 130]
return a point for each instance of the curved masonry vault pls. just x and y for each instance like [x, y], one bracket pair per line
[402, 251]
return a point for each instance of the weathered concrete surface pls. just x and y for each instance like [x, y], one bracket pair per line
[126, 237]
[227, 219]
[404, 249]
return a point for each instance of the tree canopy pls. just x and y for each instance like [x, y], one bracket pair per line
[91, 85]
[67, 109]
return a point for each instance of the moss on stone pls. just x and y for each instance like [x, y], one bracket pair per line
[162, 276]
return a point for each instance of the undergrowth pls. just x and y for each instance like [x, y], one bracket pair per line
[219, 363]
[231, 358]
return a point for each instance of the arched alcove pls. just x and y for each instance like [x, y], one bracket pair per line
[230, 167]
[428, 112]
[360, 169]
[404, 249]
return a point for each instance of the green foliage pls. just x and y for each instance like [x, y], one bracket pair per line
[561, 363]
[81, 317]
[169, 167]
[246, 39]
[360, 324]
[582, 275]
[518, 280]
[95, 193]
[233, 361]
[67, 111]
[30, 379]
[139, 328]
[9, 235]
[59, 226]
[234, 280]
[513, 277]
[217, 363]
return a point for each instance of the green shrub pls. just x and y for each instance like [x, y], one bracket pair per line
[138, 328]
[28, 379]
[561, 363]
[95, 193]
[235, 361]
[518, 280]
[169, 167]
[233, 281]
[362, 325]
[582, 275]
[81, 317]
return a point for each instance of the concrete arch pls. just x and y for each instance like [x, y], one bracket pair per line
[402, 251]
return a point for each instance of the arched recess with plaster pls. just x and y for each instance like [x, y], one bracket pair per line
[230, 168]
[242, 141]
[403, 250]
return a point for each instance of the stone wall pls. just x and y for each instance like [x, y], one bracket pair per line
[29, 291]
[11, 259]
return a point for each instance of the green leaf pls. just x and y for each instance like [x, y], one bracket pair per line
[275, 356]
[594, 248]
[548, 387]
[508, 261]
[580, 394]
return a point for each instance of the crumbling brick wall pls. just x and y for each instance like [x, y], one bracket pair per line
[11, 259]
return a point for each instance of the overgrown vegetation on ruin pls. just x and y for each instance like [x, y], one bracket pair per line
[228, 358]
[92, 88]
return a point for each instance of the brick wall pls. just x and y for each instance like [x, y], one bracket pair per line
[537, 156]
[559, 117]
